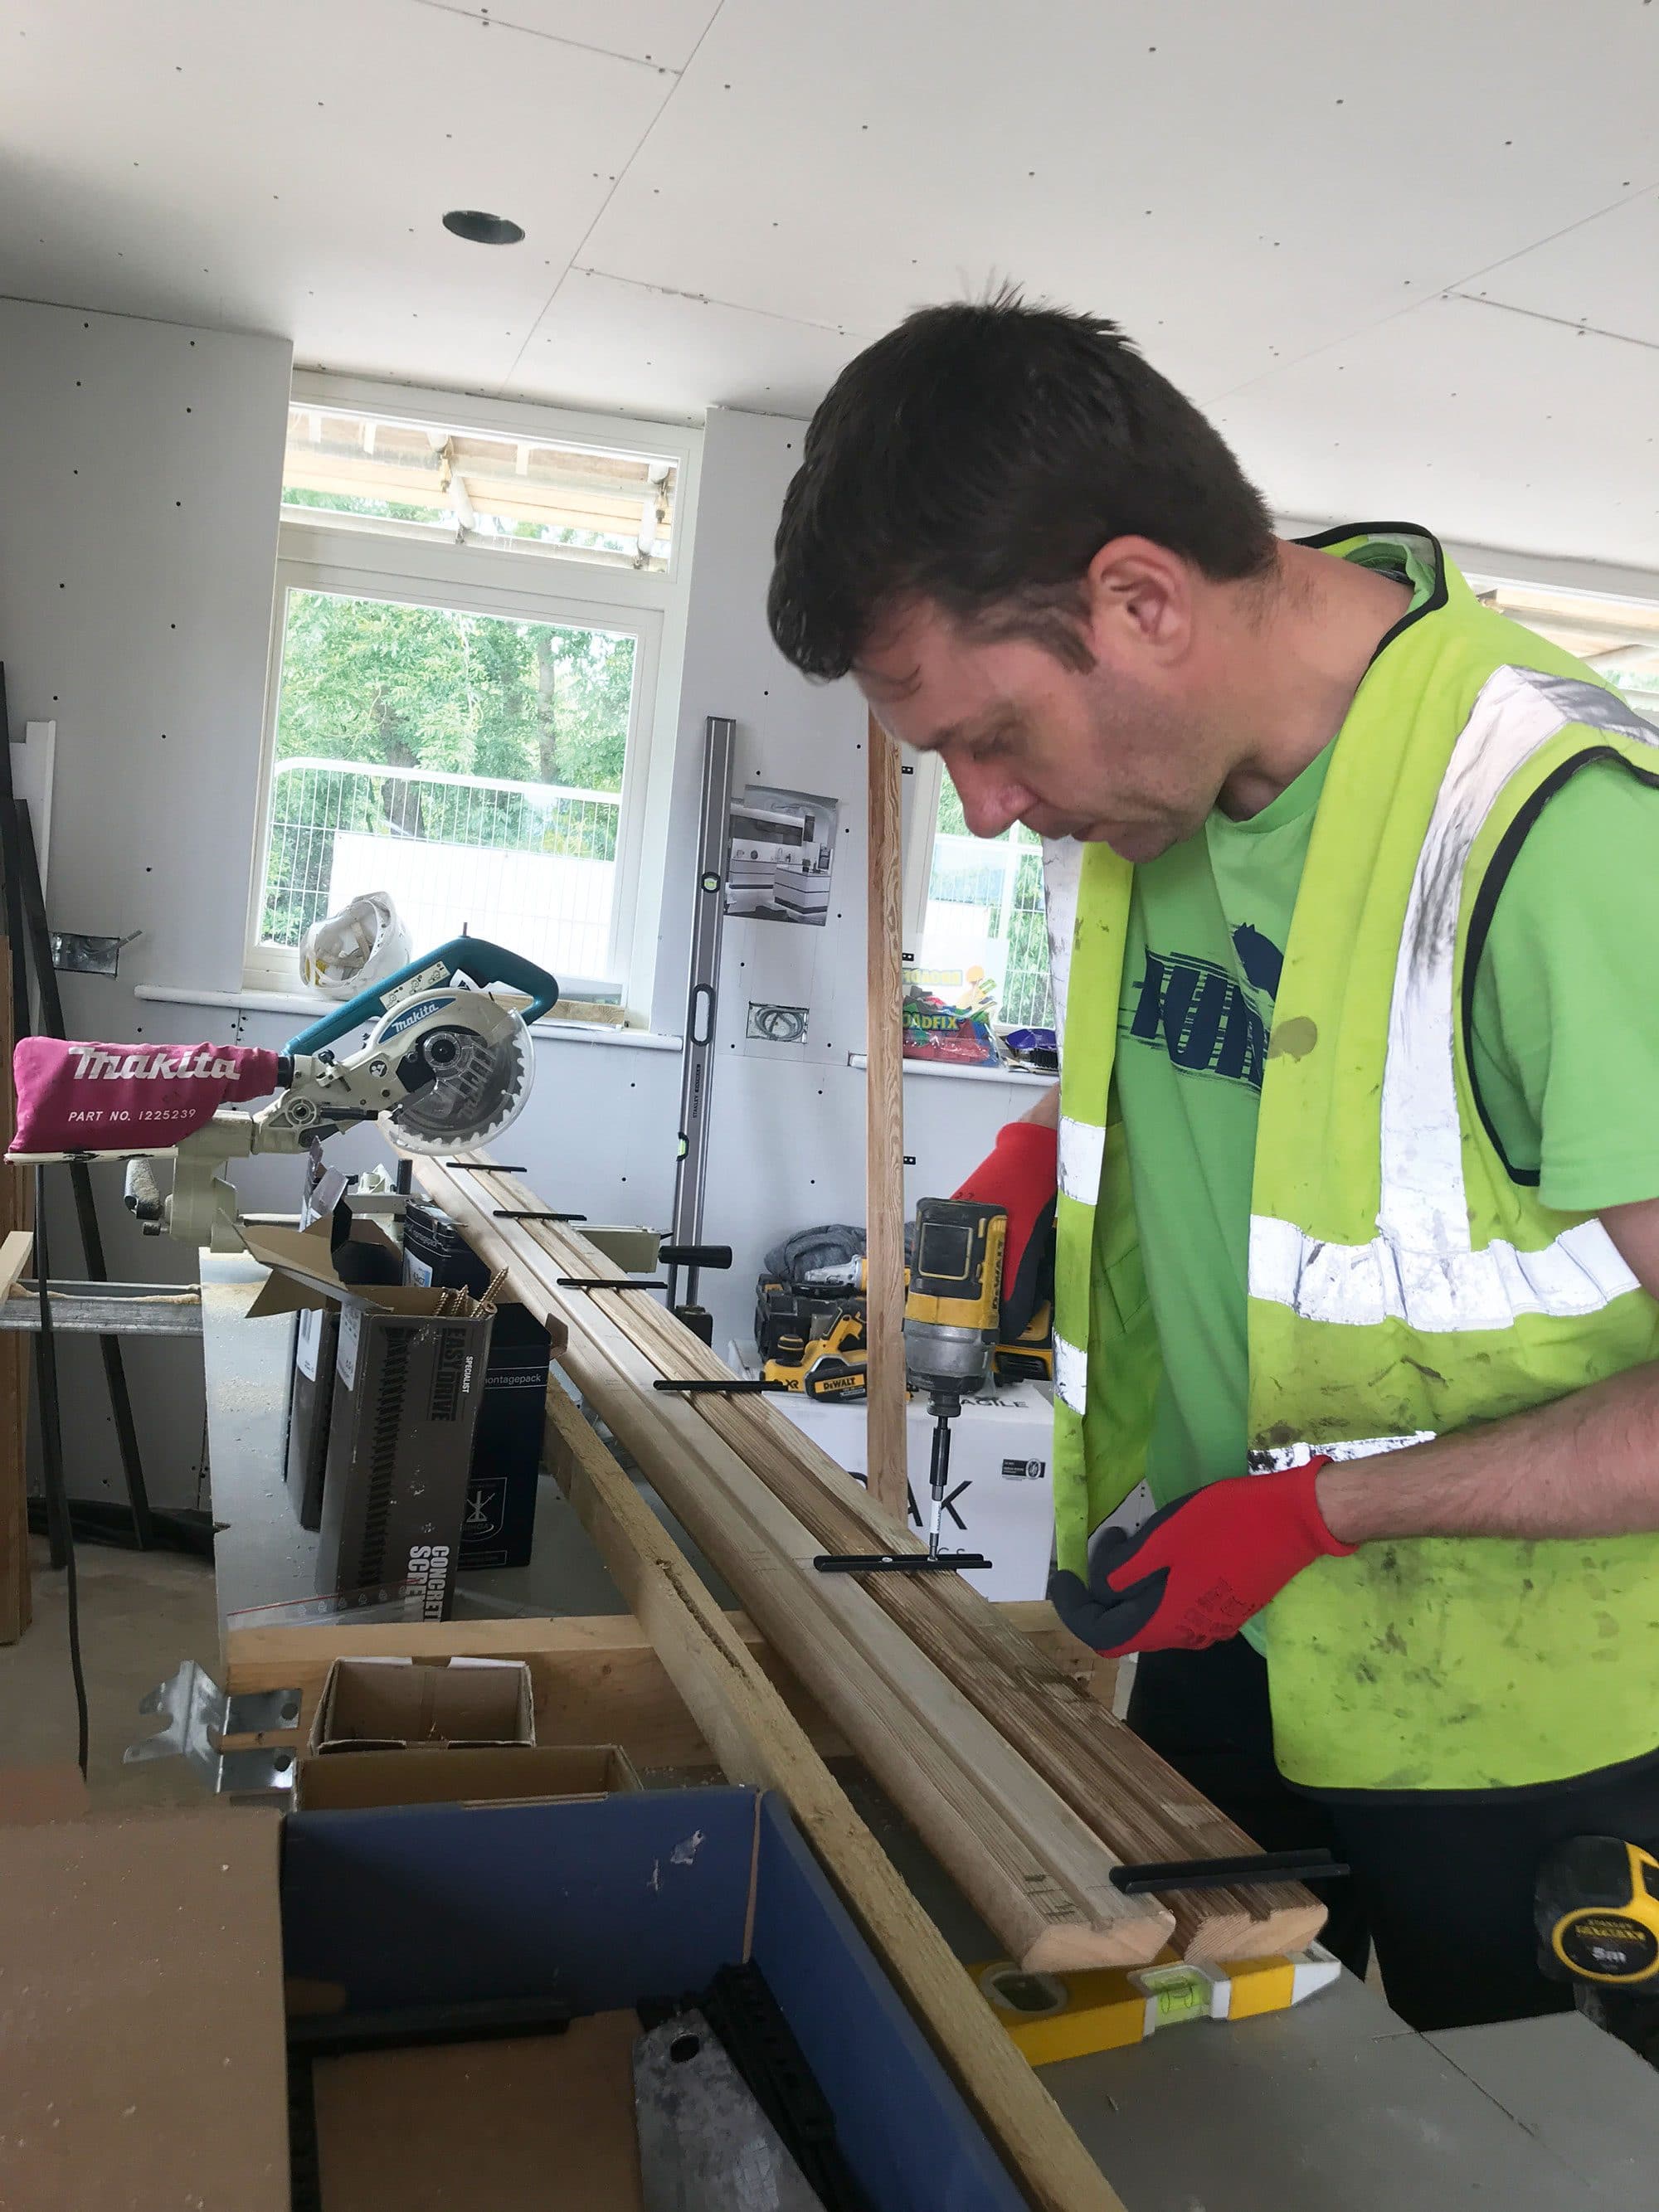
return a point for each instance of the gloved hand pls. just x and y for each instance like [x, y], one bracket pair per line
[1020, 1175]
[1197, 1570]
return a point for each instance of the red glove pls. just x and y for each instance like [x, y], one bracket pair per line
[1197, 1570]
[1020, 1175]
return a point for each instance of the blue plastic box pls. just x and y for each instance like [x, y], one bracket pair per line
[605, 1902]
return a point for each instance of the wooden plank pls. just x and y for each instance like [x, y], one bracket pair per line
[596, 1678]
[1095, 1674]
[15, 1247]
[16, 1350]
[887, 1434]
[760, 1743]
[1138, 1807]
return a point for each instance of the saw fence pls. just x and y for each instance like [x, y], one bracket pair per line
[1026, 1790]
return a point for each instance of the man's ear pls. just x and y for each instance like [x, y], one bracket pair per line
[1138, 597]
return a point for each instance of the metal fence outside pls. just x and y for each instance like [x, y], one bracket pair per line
[531, 864]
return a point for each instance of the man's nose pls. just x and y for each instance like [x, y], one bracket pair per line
[990, 803]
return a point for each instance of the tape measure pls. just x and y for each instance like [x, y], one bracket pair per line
[1597, 1904]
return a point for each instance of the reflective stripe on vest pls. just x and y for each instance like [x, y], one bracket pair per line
[1082, 1148]
[1421, 1267]
[1062, 871]
[1071, 1375]
[1082, 1143]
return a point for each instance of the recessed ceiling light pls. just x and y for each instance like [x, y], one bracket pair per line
[481, 229]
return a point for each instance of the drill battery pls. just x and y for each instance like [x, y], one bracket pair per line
[809, 1312]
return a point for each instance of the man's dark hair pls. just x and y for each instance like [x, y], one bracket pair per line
[980, 456]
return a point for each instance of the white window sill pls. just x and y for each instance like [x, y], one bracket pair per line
[298, 1002]
[963, 1074]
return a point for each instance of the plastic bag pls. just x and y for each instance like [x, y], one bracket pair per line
[362, 944]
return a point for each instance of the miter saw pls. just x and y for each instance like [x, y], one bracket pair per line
[446, 1066]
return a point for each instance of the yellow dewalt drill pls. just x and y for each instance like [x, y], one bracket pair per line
[951, 1310]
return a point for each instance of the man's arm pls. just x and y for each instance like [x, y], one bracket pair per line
[1587, 1465]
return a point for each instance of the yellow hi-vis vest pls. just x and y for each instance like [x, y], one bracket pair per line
[1402, 1282]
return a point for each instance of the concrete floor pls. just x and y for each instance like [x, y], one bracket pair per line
[140, 1614]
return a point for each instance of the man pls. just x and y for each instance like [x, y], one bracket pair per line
[1358, 1235]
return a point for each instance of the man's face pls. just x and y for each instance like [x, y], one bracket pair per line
[1112, 753]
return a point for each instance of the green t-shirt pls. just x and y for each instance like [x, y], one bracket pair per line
[1565, 1050]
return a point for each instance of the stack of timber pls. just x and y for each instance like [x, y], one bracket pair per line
[1027, 1790]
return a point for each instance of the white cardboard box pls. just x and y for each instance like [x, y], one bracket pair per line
[1002, 1494]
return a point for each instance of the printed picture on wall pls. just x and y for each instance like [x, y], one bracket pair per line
[782, 852]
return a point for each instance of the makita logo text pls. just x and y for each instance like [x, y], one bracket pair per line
[149, 1066]
[429, 1577]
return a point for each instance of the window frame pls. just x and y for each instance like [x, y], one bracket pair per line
[647, 604]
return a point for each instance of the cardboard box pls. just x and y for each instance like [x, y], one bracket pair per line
[406, 1393]
[499, 1526]
[474, 1774]
[1002, 1494]
[407, 1382]
[386, 1703]
[362, 1254]
[146, 1956]
[462, 2125]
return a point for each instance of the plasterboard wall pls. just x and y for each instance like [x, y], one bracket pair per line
[141, 470]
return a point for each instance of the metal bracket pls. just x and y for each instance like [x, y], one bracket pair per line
[603, 1283]
[530, 1213]
[199, 1715]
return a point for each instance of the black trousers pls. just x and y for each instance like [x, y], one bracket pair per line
[1442, 1887]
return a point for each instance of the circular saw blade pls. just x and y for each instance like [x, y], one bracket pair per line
[471, 1082]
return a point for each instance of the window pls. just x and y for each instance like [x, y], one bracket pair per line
[1618, 638]
[977, 902]
[511, 495]
[462, 700]
[471, 765]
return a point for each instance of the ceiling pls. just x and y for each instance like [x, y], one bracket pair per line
[1407, 254]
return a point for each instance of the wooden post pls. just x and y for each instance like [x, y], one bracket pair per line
[884, 1137]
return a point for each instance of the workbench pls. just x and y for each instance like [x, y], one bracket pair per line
[1333, 2103]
